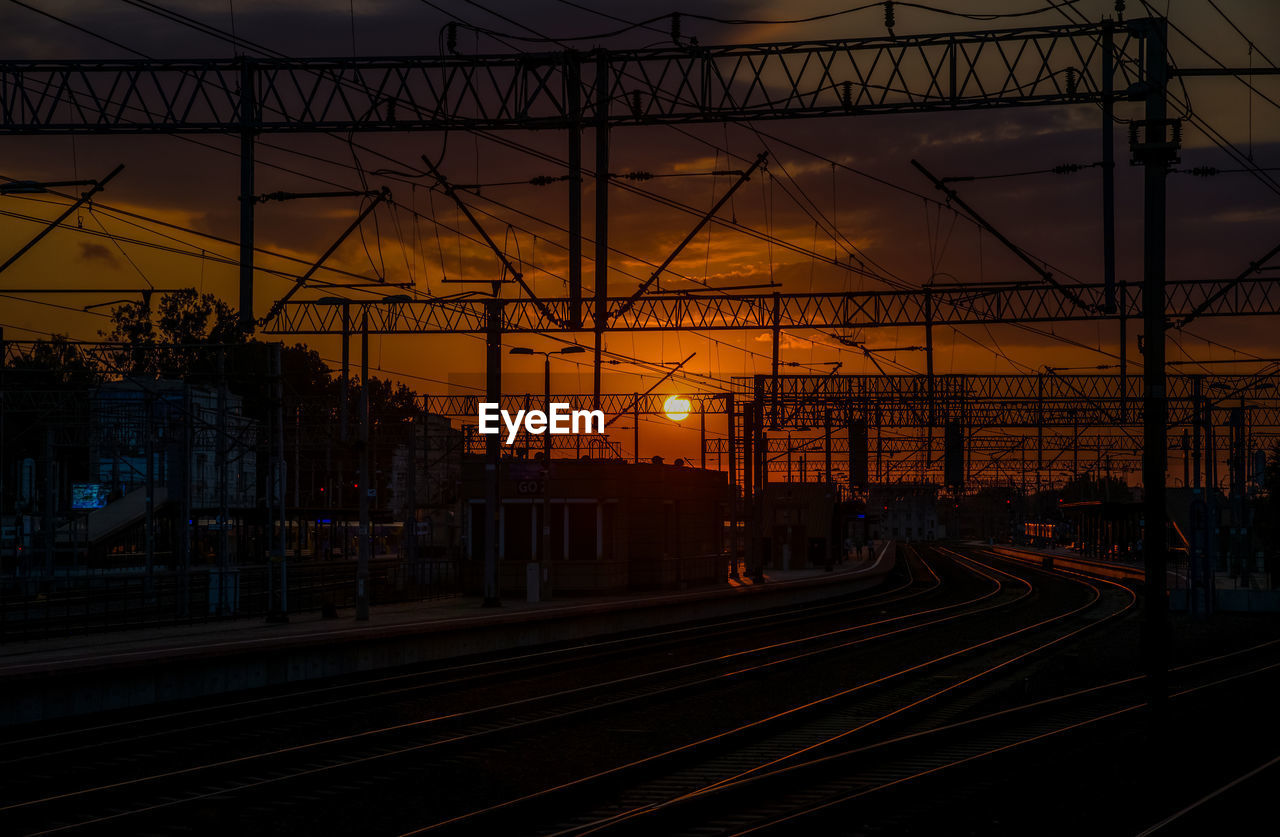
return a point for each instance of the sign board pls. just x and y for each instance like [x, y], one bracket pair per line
[88, 495]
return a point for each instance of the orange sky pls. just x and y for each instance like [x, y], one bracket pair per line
[1216, 226]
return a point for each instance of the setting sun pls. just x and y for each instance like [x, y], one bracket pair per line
[676, 408]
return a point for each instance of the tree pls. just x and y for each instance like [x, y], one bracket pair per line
[175, 343]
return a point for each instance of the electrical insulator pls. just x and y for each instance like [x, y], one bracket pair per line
[1204, 171]
[1073, 81]
[636, 110]
[451, 37]
[846, 95]
[888, 15]
[675, 28]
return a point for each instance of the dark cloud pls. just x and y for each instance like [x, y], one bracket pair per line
[91, 252]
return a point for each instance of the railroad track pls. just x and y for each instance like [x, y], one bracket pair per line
[684, 793]
[762, 723]
[445, 748]
[166, 738]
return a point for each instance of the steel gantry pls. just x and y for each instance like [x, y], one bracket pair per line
[942, 305]
[246, 96]
[1086, 63]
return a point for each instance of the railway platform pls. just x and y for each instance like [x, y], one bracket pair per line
[76, 675]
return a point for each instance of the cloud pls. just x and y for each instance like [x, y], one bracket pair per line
[787, 343]
[92, 252]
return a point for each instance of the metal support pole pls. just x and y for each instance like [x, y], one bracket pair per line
[224, 511]
[1108, 170]
[1156, 627]
[362, 539]
[776, 319]
[635, 415]
[184, 523]
[1075, 449]
[50, 491]
[247, 122]
[702, 434]
[602, 215]
[748, 486]
[1124, 360]
[1039, 429]
[1197, 425]
[929, 383]
[1186, 459]
[733, 485]
[760, 476]
[281, 477]
[149, 519]
[573, 89]
[544, 550]
[492, 453]
[826, 447]
[411, 499]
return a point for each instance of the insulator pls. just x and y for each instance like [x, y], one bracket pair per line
[636, 110]
[1073, 81]
[391, 110]
[846, 95]
[1120, 7]
[888, 14]
[451, 37]
[1204, 171]
[1177, 132]
[639, 175]
[675, 28]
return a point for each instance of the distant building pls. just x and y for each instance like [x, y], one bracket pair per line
[437, 477]
[614, 525]
[906, 512]
[798, 524]
[129, 417]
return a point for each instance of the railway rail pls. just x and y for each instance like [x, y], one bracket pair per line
[756, 723]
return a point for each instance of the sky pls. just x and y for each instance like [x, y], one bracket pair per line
[850, 175]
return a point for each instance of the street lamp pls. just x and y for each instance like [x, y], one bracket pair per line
[544, 547]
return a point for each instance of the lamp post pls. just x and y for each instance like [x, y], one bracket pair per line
[544, 546]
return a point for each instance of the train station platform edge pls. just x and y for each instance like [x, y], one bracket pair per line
[91, 652]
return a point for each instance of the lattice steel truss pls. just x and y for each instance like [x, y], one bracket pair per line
[958, 305]
[1005, 401]
[902, 74]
